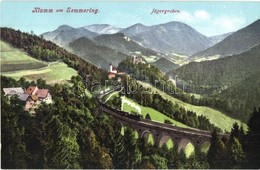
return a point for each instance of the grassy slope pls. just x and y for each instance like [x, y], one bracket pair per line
[154, 114]
[13, 59]
[51, 72]
[215, 117]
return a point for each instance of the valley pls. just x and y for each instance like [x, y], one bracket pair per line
[220, 77]
[216, 117]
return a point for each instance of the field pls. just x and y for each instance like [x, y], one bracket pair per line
[16, 64]
[154, 114]
[178, 58]
[150, 59]
[14, 60]
[215, 117]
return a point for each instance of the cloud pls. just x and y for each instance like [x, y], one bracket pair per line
[195, 17]
[184, 16]
[208, 24]
[200, 14]
[229, 23]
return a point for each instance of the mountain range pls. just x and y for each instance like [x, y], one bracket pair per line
[172, 37]
[176, 42]
[217, 38]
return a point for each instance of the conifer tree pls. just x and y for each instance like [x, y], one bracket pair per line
[13, 147]
[253, 140]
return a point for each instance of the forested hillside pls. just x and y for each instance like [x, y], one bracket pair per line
[73, 133]
[101, 56]
[48, 51]
[234, 79]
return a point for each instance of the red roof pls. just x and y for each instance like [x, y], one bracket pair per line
[42, 93]
[33, 90]
[111, 75]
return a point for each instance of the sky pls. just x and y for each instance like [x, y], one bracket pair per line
[208, 18]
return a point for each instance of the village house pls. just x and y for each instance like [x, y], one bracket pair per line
[36, 97]
[33, 96]
[19, 91]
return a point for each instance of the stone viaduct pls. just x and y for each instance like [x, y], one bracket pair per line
[161, 132]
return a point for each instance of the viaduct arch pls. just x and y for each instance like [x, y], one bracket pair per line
[161, 132]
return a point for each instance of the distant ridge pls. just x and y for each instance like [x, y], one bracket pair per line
[238, 42]
[65, 34]
[170, 37]
[102, 28]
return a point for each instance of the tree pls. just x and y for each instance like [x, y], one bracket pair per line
[64, 149]
[118, 151]
[41, 83]
[147, 116]
[166, 121]
[217, 152]
[235, 154]
[59, 141]
[252, 147]
[171, 156]
[147, 164]
[93, 156]
[12, 131]
[133, 155]
[159, 161]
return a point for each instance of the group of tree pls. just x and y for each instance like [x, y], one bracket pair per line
[73, 133]
[59, 136]
[240, 150]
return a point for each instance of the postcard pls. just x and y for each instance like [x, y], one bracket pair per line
[130, 84]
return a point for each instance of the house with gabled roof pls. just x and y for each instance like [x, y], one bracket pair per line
[19, 91]
[33, 96]
[36, 97]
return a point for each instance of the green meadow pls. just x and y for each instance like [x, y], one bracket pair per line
[16, 64]
[154, 114]
[215, 117]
